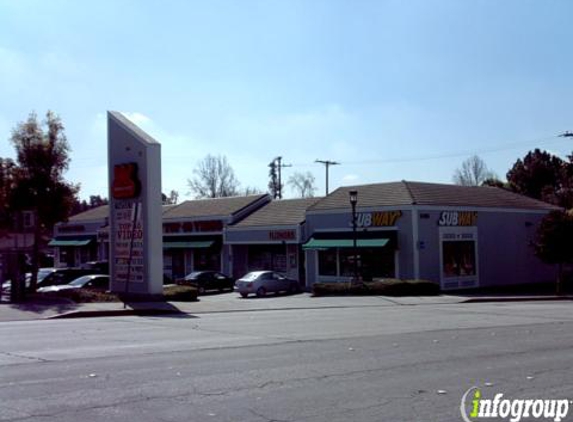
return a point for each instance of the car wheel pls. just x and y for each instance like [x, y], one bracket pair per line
[293, 288]
[244, 295]
[201, 290]
[261, 291]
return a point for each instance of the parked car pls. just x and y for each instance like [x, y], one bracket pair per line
[263, 282]
[99, 267]
[42, 273]
[61, 276]
[99, 282]
[207, 280]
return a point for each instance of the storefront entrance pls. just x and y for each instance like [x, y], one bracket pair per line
[267, 257]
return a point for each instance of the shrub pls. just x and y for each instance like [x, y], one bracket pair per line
[170, 293]
[84, 296]
[179, 293]
[385, 287]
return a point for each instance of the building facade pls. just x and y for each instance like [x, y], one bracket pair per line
[270, 239]
[193, 233]
[458, 236]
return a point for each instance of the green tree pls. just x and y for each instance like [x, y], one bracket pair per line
[543, 176]
[42, 157]
[496, 183]
[8, 174]
[554, 242]
[171, 199]
[274, 185]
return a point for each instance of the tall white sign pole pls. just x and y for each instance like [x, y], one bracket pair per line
[136, 255]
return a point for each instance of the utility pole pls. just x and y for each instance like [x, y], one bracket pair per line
[327, 164]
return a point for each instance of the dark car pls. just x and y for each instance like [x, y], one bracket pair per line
[98, 282]
[207, 280]
[98, 267]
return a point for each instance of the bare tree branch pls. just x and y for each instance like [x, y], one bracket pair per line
[473, 172]
[303, 184]
[214, 178]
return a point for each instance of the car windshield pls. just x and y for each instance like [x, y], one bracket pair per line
[43, 273]
[81, 281]
[193, 275]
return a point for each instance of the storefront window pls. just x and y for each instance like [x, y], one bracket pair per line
[459, 258]
[376, 263]
[207, 260]
[346, 257]
[327, 262]
[371, 262]
[267, 257]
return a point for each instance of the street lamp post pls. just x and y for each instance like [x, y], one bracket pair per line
[353, 200]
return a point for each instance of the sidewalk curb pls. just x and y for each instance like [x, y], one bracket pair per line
[191, 312]
[518, 299]
[116, 312]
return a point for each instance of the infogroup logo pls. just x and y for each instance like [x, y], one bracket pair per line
[475, 407]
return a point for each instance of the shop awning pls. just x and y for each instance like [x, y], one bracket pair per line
[69, 242]
[344, 243]
[198, 244]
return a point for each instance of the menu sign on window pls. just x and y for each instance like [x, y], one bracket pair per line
[128, 242]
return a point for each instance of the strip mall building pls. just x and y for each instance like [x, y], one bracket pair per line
[458, 236]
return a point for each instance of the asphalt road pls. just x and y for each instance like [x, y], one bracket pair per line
[402, 363]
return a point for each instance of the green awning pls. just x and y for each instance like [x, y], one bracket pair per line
[69, 242]
[344, 243]
[185, 245]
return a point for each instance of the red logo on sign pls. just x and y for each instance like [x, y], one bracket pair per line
[125, 182]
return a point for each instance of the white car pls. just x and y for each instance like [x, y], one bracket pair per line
[263, 282]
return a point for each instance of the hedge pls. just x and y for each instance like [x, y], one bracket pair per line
[170, 293]
[385, 287]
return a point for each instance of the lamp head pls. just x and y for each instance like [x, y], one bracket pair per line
[353, 197]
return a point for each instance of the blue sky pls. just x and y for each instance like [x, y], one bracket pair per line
[391, 89]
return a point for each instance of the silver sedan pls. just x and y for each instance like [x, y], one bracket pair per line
[262, 282]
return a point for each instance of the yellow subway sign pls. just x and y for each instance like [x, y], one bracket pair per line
[378, 218]
[458, 218]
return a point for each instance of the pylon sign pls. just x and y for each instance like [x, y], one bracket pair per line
[134, 162]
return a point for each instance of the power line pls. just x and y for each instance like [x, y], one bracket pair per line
[327, 164]
[504, 147]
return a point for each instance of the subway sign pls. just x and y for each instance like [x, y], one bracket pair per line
[458, 218]
[377, 218]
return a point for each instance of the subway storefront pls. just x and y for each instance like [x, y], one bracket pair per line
[460, 237]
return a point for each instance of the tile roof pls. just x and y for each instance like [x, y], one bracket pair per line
[98, 213]
[101, 213]
[431, 194]
[284, 212]
[225, 207]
